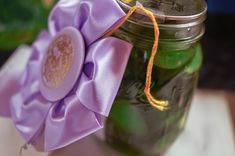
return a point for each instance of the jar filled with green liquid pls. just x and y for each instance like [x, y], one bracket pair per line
[134, 127]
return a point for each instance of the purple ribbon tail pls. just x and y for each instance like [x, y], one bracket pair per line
[9, 77]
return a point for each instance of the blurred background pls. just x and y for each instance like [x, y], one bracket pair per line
[219, 46]
[21, 20]
[218, 43]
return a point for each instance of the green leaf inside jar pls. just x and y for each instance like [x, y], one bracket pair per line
[127, 117]
[196, 62]
[169, 63]
[172, 59]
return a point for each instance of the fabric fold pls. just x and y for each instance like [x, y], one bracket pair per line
[102, 74]
[92, 17]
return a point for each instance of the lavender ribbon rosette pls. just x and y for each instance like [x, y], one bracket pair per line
[72, 76]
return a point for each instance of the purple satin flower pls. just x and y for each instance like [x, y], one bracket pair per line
[72, 76]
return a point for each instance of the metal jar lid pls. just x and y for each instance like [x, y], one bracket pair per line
[178, 20]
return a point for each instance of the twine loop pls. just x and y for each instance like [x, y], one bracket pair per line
[159, 104]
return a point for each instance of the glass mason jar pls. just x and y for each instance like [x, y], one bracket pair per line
[134, 127]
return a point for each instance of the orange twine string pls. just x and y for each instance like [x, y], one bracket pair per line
[161, 105]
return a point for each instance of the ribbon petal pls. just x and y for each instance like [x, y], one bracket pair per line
[39, 48]
[89, 16]
[62, 15]
[28, 108]
[29, 114]
[102, 74]
[69, 121]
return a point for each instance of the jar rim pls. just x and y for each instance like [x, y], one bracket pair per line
[165, 20]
